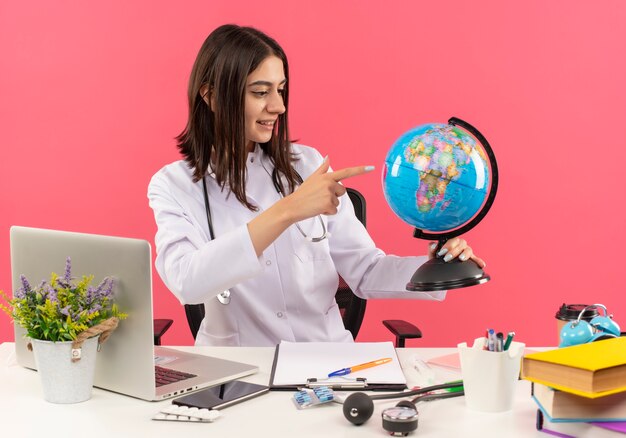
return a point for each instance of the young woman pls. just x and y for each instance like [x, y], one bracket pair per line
[256, 227]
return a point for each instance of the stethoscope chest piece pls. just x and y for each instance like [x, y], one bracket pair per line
[400, 420]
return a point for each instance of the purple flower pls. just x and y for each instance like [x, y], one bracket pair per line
[91, 296]
[52, 294]
[68, 270]
[62, 283]
[25, 284]
[104, 289]
[65, 311]
[108, 289]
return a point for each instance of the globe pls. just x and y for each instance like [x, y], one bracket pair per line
[441, 179]
[436, 177]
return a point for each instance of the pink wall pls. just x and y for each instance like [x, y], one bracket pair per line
[92, 94]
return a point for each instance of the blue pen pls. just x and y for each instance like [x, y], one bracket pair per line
[491, 339]
[354, 368]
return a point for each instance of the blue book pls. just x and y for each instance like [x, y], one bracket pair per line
[579, 429]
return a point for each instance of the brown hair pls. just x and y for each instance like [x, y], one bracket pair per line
[229, 54]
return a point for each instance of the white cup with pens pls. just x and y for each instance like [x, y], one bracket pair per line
[490, 370]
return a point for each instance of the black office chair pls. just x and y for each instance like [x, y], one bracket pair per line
[351, 307]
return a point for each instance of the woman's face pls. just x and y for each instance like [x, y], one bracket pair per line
[264, 100]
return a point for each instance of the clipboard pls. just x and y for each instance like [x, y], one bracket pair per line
[300, 365]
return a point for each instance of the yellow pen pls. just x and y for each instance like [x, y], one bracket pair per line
[354, 368]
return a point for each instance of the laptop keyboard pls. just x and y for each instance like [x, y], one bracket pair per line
[165, 376]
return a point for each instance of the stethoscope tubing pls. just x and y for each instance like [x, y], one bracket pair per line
[224, 297]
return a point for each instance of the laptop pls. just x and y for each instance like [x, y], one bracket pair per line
[126, 361]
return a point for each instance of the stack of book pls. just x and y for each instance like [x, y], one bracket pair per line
[583, 383]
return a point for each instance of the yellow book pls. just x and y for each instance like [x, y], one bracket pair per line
[589, 370]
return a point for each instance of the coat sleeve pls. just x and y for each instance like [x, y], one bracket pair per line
[192, 267]
[369, 272]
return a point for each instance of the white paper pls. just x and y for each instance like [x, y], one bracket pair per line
[299, 361]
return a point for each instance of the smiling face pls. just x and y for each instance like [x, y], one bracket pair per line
[264, 100]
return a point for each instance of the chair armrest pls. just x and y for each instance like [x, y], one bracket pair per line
[160, 327]
[402, 330]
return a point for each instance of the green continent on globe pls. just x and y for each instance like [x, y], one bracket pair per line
[439, 154]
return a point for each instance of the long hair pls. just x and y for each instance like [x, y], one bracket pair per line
[229, 54]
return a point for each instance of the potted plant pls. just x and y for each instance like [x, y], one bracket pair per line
[65, 318]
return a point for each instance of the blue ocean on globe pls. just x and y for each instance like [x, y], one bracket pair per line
[436, 177]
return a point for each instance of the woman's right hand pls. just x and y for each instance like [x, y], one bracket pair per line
[320, 192]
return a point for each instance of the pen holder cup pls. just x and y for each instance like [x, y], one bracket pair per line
[490, 377]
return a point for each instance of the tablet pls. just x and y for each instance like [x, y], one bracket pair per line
[222, 396]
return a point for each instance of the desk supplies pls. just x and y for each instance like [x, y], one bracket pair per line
[185, 413]
[560, 406]
[499, 341]
[306, 364]
[491, 340]
[490, 378]
[363, 366]
[308, 397]
[450, 361]
[509, 339]
[591, 370]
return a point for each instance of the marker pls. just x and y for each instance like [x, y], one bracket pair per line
[509, 339]
[499, 340]
[355, 368]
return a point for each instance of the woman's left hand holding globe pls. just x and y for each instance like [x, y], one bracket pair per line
[455, 247]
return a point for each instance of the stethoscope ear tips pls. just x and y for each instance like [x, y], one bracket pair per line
[358, 408]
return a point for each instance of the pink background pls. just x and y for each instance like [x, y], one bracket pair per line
[92, 94]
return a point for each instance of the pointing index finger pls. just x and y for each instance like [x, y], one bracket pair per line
[348, 172]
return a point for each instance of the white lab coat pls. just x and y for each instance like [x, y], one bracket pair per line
[289, 292]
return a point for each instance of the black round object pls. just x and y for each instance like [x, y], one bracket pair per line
[437, 274]
[358, 408]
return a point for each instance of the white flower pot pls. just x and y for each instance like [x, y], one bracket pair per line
[65, 381]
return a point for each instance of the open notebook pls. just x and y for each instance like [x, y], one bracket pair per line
[301, 364]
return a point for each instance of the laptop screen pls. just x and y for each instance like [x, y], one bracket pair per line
[126, 359]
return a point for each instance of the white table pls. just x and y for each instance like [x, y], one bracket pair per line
[24, 410]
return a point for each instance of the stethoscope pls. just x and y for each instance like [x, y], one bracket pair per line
[402, 419]
[224, 297]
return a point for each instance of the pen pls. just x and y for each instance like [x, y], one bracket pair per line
[355, 368]
[509, 339]
[491, 340]
[499, 339]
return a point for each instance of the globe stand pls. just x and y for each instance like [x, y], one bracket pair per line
[437, 274]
